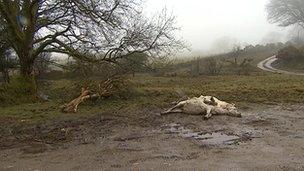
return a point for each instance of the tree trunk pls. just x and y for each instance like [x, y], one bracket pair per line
[5, 75]
[27, 68]
[28, 76]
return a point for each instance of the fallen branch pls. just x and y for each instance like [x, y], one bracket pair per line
[104, 90]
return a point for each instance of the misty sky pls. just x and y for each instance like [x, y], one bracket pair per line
[207, 23]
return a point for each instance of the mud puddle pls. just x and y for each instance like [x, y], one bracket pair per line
[207, 138]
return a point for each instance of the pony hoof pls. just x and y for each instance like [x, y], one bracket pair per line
[205, 118]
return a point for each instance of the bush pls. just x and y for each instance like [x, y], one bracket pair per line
[290, 53]
[213, 66]
[19, 90]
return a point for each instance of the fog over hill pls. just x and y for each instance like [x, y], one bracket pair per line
[214, 26]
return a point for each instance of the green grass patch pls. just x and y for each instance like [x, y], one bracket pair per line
[158, 92]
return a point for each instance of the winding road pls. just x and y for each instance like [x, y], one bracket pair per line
[266, 65]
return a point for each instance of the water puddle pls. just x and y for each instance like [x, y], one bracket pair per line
[212, 138]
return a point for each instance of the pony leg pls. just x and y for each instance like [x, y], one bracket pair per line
[234, 114]
[221, 111]
[208, 114]
[175, 109]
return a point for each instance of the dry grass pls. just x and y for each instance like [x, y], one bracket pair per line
[263, 88]
[157, 92]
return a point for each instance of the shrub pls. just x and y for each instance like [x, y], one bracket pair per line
[16, 92]
[213, 66]
[290, 53]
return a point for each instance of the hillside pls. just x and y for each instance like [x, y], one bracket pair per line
[241, 61]
[291, 58]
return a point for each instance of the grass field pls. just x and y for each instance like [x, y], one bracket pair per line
[156, 93]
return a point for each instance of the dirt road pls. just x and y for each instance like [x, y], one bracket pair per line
[265, 138]
[266, 65]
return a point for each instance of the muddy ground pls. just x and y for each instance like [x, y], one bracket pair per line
[267, 137]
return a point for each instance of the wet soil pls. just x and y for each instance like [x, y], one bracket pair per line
[267, 137]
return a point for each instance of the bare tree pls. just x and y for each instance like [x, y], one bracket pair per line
[87, 30]
[244, 67]
[195, 69]
[213, 66]
[42, 63]
[135, 63]
[236, 51]
[286, 12]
